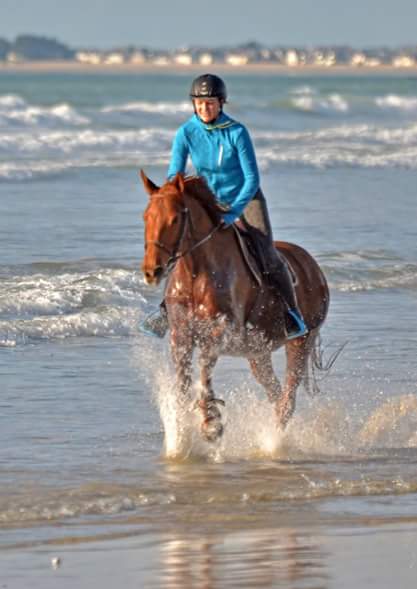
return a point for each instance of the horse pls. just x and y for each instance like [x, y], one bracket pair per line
[214, 302]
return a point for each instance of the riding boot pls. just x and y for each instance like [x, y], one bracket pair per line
[281, 281]
[156, 323]
[256, 219]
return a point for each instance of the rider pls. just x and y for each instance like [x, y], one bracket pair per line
[222, 152]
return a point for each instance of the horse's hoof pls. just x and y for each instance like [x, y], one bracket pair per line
[212, 430]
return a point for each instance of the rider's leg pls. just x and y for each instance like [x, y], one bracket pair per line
[256, 216]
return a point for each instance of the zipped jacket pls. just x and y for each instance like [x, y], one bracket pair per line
[221, 152]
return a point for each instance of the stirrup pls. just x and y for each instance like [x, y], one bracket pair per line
[301, 327]
[155, 324]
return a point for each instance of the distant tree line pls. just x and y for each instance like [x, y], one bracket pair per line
[34, 47]
[31, 47]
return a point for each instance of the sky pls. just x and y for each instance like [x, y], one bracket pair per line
[180, 23]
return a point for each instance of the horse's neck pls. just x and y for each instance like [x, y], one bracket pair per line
[210, 252]
[200, 223]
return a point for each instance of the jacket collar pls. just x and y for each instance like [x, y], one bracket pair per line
[223, 121]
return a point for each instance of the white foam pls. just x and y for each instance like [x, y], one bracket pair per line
[72, 141]
[40, 294]
[311, 103]
[103, 321]
[164, 108]
[15, 111]
[303, 90]
[394, 101]
[11, 102]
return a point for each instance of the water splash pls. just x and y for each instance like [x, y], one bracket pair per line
[323, 428]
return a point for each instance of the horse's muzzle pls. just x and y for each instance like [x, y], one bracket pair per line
[153, 275]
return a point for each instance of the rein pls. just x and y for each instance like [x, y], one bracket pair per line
[174, 255]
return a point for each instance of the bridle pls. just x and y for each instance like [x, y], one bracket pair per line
[173, 254]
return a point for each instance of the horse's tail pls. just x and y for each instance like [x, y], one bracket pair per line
[316, 363]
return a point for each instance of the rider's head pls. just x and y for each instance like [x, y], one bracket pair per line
[208, 93]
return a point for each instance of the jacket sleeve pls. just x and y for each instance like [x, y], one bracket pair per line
[247, 158]
[179, 154]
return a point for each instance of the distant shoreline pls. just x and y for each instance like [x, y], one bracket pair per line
[271, 69]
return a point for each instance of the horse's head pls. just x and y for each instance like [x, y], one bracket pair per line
[165, 221]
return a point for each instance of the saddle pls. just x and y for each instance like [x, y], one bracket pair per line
[250, 251]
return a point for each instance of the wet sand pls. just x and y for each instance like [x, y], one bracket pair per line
[350, 556]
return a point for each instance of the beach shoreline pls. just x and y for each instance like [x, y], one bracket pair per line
[149, 68]
[362, 554]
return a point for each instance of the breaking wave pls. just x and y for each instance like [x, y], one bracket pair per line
[308, 102]
[62, 303]
[15, 112]
[163, 108]
[368, 270]
[401, 103]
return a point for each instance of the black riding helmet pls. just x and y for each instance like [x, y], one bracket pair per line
[208, 86]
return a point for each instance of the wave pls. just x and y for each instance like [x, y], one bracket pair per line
[56, 152]
[15, 112]
[163, 108]
[368, 270]
[37, 153]
[394, 101]
[113, 499]
[314, 104]
[62, 303]
[72, 141]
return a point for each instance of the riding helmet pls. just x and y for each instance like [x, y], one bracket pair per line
[208, 86]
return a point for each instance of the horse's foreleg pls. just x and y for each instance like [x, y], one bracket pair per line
[182, 354]
[297, 352]
[211, 427]
[263, 371]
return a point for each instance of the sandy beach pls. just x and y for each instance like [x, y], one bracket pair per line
[268, 69]
[375, 554]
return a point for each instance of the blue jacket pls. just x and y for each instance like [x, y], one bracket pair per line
[221, 152]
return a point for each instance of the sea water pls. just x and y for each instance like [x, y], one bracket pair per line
[89, 440]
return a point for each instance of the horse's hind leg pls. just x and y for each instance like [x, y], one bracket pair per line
[263, 371]
[297, 352]
[212, 427]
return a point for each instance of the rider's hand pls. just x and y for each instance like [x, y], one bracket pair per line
[228, 219]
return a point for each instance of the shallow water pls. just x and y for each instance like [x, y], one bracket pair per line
[89, 444]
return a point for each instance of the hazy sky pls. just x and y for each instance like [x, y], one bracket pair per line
[177, 23]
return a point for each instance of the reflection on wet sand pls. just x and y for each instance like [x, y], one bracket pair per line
[251, 558]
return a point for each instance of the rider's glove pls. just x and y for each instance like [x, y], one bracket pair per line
[229, 218]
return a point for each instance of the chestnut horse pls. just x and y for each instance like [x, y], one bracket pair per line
[214, 302]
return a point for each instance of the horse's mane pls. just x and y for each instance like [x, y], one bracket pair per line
[196, 187]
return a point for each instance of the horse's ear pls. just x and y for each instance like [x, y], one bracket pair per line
[178, 182]
[150, 187]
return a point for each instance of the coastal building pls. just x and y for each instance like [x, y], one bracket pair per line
[138, 57]
[324, 58]
[205, 59]
[183, 59]
[360, 59]
[13, 57]
[236, 59]
[292, 58]
[114, 58]
[88, 57]
[160, 60]
[403, 61]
